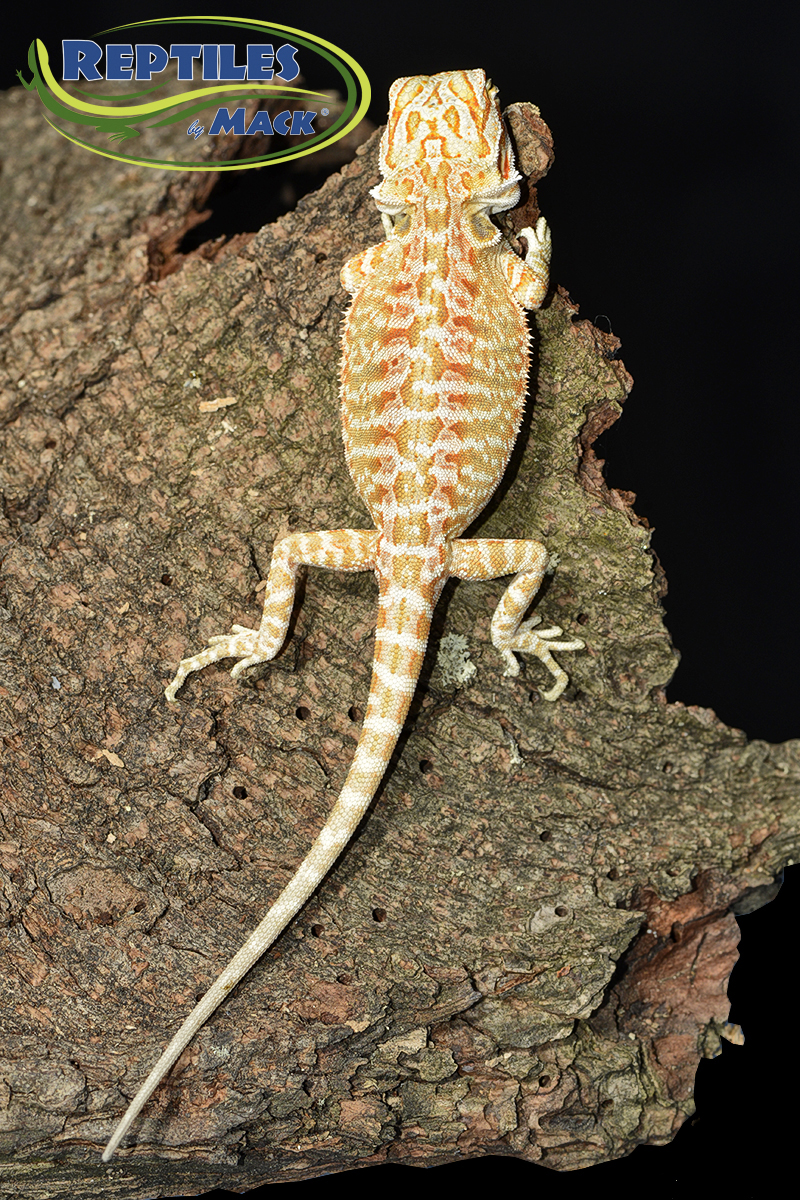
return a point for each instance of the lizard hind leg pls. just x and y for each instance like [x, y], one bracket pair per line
[336, 549]
[489, 558]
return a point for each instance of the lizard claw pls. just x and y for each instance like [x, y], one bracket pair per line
[243, 643]
[540, 242]
[540, 643]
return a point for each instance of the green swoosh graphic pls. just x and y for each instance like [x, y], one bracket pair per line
[116, 127]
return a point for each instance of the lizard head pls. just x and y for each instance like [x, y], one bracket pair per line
[450, 121]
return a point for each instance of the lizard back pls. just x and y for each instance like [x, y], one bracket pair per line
[435, 345]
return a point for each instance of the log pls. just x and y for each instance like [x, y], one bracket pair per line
[525, 949]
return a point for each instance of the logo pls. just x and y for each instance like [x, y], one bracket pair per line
[266, 71]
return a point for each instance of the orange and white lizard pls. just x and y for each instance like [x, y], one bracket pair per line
[433, 386]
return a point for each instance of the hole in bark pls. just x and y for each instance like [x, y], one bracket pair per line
[302, 713]
[582, 618]
[166, 579]
[613, 873]
[545, 835]
[544, 1081]
[317, 930]
[425, 766]
[667, 767]
[379, 914]
[240, 793]
[354, 713]
[561, 911]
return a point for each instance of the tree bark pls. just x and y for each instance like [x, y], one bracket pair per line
[525, 949]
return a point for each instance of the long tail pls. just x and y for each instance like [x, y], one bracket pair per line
[401, 638]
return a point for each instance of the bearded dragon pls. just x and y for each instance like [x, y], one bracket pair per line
[434, 369]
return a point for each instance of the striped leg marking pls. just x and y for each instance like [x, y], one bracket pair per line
[490, 558]
[336, 549]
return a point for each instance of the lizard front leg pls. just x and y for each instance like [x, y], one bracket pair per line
[489, 558]
[336, 549]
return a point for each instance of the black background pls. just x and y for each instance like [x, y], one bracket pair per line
[673, 210]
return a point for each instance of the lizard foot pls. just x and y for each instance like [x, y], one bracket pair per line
[245, 644]
[540, 643]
